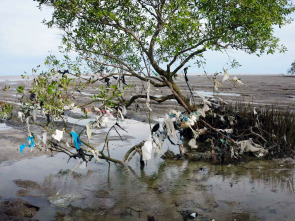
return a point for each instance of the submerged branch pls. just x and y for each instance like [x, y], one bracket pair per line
[131, 150]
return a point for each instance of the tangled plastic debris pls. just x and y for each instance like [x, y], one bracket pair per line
[250, 146]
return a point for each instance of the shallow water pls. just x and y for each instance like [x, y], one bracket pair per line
[210, 93]
[260, 190]
[102, 191]
[3, 126]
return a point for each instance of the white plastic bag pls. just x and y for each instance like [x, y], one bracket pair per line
[44, 138]
[21, 116]
[192, 143]
[225, 77]
[147, 149]
[124, 111]
[88, 131]
[157, 143]
[58, 135]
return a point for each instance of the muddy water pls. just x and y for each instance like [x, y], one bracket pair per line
[167, 190]
[102, 191]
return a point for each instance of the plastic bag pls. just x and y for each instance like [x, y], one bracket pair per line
[147, 149]
[250, 146]
[58, 135]
[88, 131]
[225, 77]
[192, 143]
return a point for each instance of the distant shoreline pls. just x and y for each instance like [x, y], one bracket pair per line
[19, 77]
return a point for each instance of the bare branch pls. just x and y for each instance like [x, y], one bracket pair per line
[158, 99]
[117, 66]
[110, 159]
[178, 97]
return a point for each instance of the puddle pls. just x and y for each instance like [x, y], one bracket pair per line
[210, 94]
[3, 126]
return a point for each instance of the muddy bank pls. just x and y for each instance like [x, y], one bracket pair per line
[257, 89]
[17, 209]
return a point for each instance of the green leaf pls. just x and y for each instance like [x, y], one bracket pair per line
[20, 89]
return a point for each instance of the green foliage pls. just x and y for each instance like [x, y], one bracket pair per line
[48, 93]
[6, 110]
[109, 96]
[20, 89]
[55, 91]
[292, 69]
[167, 32]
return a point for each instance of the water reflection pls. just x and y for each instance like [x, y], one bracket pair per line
[261, 190]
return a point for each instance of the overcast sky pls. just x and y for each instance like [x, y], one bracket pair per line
[25, 42]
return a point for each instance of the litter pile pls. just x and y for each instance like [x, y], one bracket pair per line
[225, 133]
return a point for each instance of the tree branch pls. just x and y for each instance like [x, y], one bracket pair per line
[178, 97]
[185, 50]
[150, 53]
[127, 31]
[132, 71]
[158, 99]
[103, 63]
[146, 8]
[131, 150]
[187, 59]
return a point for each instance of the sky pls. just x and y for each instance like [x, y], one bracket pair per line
[25, 42]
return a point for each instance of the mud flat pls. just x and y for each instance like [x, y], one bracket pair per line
[260, 90]
[166, 190]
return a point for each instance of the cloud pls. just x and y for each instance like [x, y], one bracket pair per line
[24, 40]
[22, 33]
